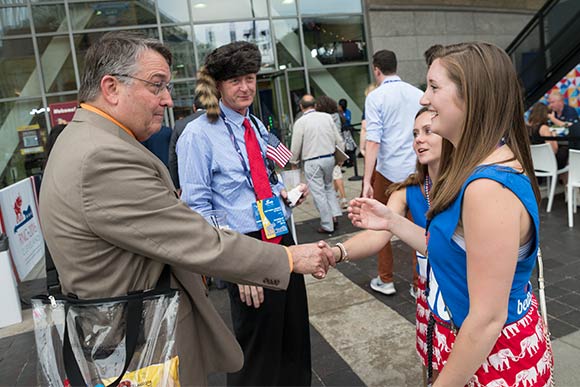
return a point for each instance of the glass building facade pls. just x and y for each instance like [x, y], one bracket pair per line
[307, 46]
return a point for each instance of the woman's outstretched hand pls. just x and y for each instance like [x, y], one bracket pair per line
[370, 214]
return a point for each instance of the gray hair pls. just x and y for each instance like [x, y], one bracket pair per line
[115, 53]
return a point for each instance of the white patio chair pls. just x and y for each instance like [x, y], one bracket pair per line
[545, 165]
[573, 182]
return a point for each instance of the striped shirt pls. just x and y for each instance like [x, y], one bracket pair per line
[211, 173]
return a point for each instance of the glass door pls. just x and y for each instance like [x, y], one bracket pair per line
[269, 105]
[277, 101]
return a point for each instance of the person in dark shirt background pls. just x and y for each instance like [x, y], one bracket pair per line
[342, 107]
[198, 110]
[562, 114]
[158, 144]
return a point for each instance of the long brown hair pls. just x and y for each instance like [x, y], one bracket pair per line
[488, 85]
[416, 178]
[539, 114]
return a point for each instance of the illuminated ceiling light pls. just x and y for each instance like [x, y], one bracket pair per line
[287, 1]
[282, 67]
[200, 5]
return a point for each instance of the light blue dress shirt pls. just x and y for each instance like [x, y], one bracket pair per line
[211, 173]
[390, 113]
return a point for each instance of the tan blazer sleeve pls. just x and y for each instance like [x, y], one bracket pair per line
[127, 202]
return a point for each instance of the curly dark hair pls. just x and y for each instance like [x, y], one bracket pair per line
[326, 104]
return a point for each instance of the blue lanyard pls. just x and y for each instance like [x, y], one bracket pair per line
[239, 151]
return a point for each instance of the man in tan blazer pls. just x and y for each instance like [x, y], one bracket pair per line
[112, 218]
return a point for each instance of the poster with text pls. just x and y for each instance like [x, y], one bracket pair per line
[62, 112]
[21, 224]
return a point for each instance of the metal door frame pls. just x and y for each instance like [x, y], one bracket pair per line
[274, 79]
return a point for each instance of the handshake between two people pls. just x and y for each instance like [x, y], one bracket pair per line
[317, 258]
[313, 258]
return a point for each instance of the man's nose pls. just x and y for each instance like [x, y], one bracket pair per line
[244, 85]
[166, 99]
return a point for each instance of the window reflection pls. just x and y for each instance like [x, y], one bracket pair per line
[294, 88]
[183, 97]
[287, 43]
[334, 40]
[180, 42]
[283, 7]
[14, 21]
[210, 10]
[210, 36]
[342, 82]
[15, 166]
[297, 88]
[173, 11]
[330, 6]
[112, 14]
[57, 65]
[17, 65]
[49, 18]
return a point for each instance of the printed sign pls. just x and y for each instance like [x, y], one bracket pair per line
[31, 140]
[21, 224]
[62, 112]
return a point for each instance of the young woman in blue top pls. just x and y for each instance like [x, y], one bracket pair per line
[410, 195]
[483, 235]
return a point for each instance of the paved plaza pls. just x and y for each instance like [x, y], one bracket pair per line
[360, 337]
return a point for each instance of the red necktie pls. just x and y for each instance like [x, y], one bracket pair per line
[258, 171]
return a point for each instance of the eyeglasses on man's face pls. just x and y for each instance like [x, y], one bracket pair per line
[159, 86]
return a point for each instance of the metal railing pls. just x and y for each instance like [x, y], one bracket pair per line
[547, 48]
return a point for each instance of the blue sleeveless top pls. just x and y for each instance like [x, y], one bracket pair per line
[447, 260]
[418, 206]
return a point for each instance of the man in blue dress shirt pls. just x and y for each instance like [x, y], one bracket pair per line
[222, 166]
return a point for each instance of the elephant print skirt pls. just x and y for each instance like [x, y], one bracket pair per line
[421, 320]
[521, 357]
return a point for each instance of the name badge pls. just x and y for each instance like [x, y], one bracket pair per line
[269, 216]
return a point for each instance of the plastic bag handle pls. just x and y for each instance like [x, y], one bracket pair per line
[133, 321]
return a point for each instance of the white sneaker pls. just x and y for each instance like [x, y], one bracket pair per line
[414, 292]
[387, 288]
[344, 203]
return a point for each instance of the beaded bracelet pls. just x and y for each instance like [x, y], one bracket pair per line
[343, 253]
